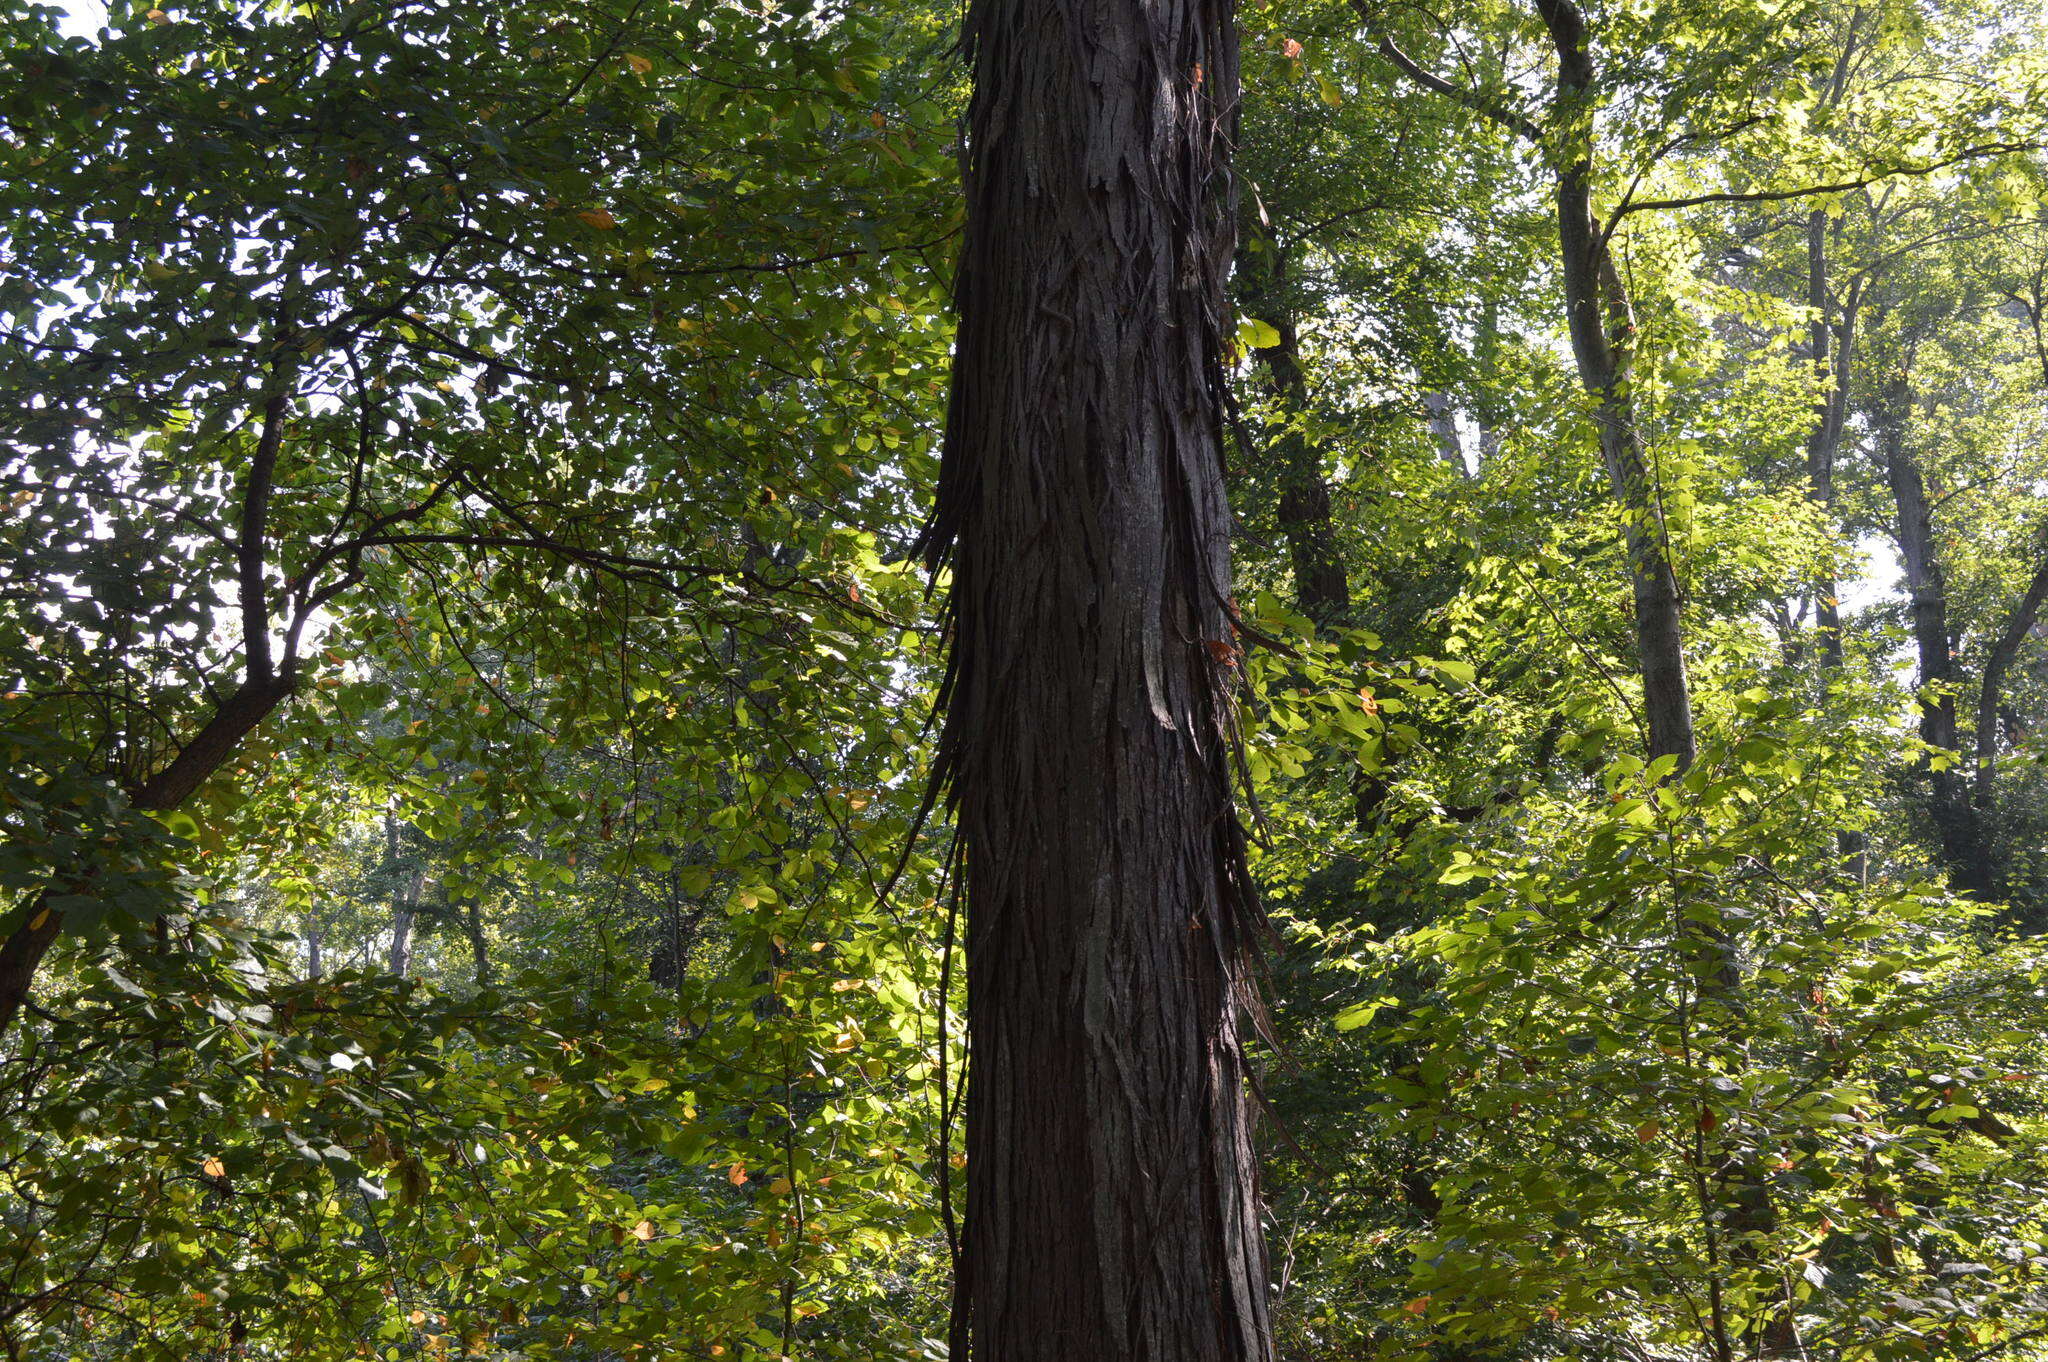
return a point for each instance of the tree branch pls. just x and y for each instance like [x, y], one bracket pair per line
[1808, 191]
[1506, 116]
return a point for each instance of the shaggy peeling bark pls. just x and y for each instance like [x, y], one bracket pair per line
[1112, 1207]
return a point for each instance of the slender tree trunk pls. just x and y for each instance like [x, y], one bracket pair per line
[1986, 876]
[1601, 321]
[405, 899]
[1443, 429]
[1955, 818]
[1833, 346]
[401, 937]
[1487, 414]
[264, 687]
[1321, 583]
[1112, 1207]
[479, 946]
[2003, 653]
[1305, 523]
[1602, 325]
[1925, 579]
[1990, 692]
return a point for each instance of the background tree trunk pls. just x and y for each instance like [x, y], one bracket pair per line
[1833, 345]
[1112, 1207]
[1602, 325]
[1600, 317]
[1443, 428]
[1320, 582]
[1832, 342]
[1954, 816]
[479, 946]
[2018, 626]
[406, 884]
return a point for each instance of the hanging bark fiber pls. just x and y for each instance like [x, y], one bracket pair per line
[1112, 1207]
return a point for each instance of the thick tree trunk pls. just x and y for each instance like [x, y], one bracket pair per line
[1112, 1208]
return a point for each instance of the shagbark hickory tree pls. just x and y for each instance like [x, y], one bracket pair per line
[1112, 1207]
[558, 969]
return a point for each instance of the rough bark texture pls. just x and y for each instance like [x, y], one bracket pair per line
[1112, 1208]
